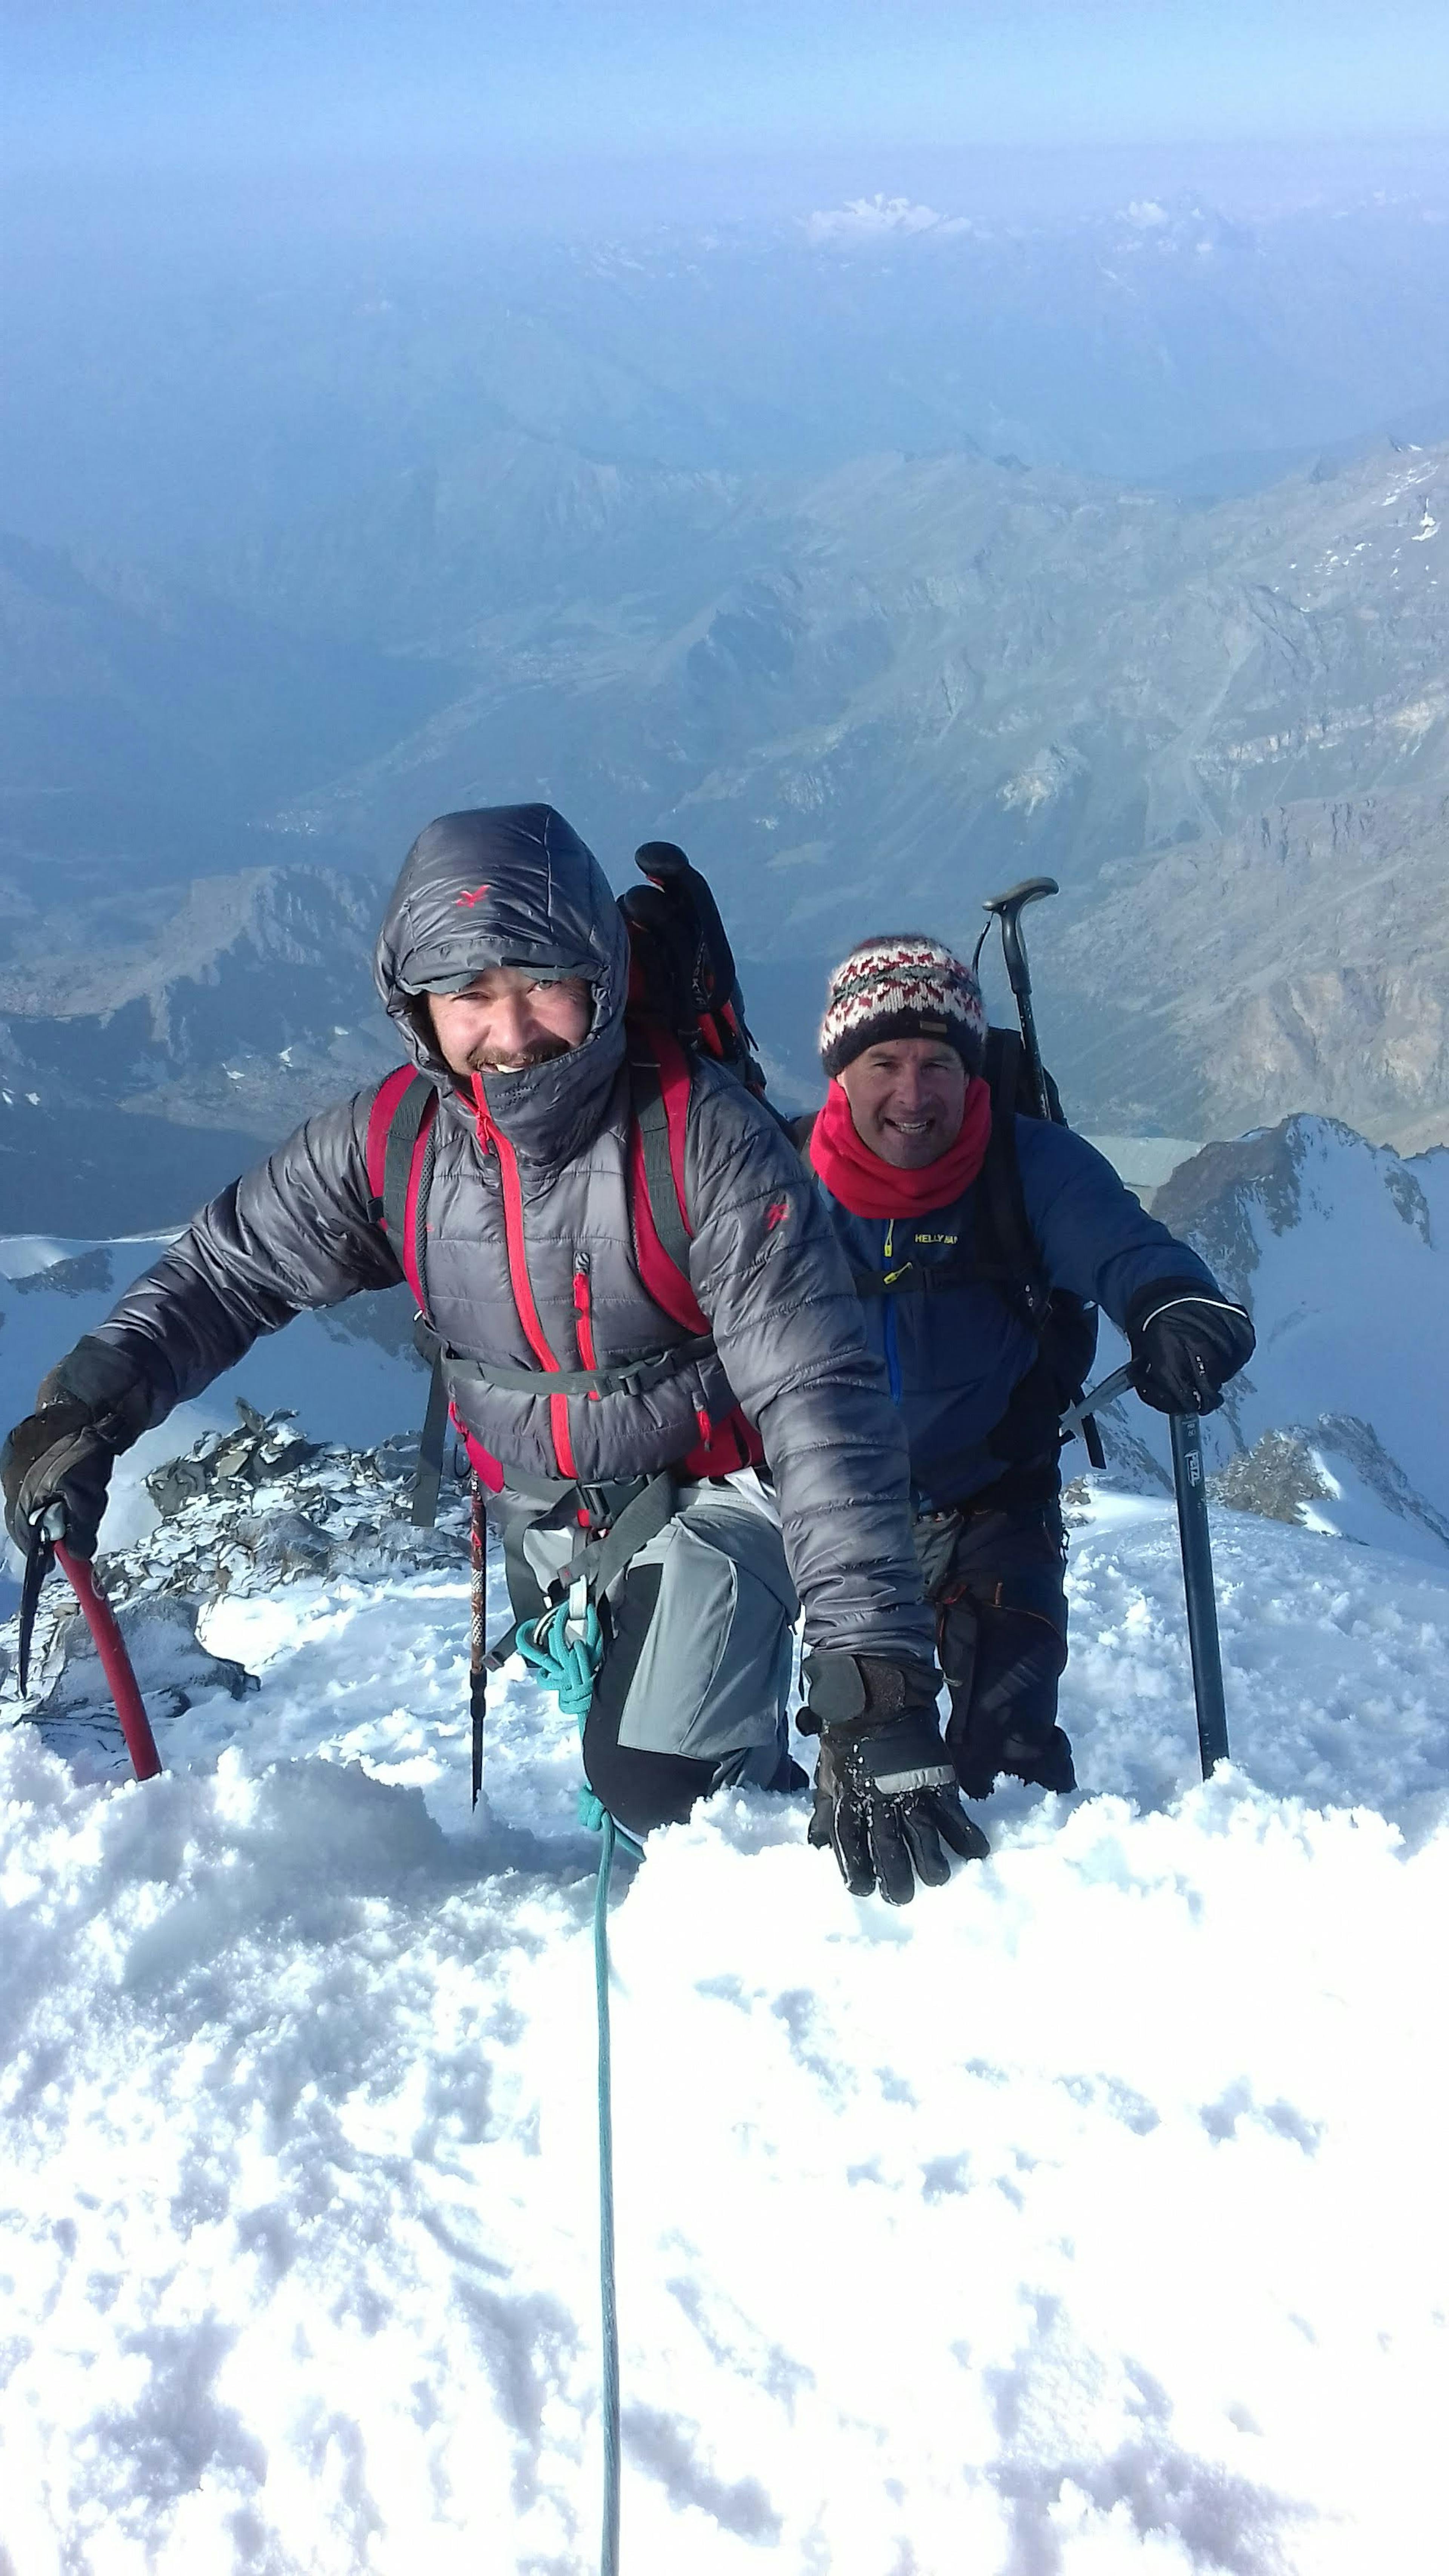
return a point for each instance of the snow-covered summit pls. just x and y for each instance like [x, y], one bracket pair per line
[1340, 1250]
[865, 220]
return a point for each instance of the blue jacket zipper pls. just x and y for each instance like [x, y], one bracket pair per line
[892, 1350]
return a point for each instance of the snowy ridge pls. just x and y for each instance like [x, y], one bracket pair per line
[1087, 2217]
[1043, 2226]
[877, 219]
[1340, 1249]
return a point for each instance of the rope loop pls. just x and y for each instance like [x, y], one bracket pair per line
[563, 1649]
[564, 1652]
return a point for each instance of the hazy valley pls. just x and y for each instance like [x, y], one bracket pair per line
[871, 690]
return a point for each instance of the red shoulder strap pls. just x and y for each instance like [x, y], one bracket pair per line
[384, 1103]
[398, 1162]
[659, 1090]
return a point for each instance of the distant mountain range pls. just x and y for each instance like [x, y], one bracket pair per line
[156, 406]
[860, 693]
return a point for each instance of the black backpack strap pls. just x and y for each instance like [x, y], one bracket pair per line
[402, 1145]
[652, 1120]
[1006, 1249]
[428, 1475]
[628, 1377]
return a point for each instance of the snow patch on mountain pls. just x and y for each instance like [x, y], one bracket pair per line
[1340, 1250]
[879, 218]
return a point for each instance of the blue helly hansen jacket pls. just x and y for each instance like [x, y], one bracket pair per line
[963, 1364]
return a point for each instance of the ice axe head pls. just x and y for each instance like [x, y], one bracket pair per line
[1008, 909]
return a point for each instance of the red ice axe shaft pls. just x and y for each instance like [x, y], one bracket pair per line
[110, 1645]
[45, 1543]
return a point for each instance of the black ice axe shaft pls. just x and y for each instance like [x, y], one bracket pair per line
[1007, 909]
[1197, 1583]
[1187, 1462]
[1198, 1586]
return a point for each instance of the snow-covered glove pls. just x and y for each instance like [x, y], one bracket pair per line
[886, 1800]
[90, 1407]
[1186, 1344]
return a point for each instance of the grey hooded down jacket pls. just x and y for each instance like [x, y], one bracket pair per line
[513, 885]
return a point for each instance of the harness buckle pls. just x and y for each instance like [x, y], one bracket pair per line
[576, 1622]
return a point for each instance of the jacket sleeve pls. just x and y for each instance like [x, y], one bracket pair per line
[1096, 1239]
[292, 1233]
[767, 1270]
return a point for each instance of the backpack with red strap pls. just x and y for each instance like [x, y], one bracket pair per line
[684, 1000]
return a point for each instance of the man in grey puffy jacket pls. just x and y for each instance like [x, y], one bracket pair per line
[503, 963]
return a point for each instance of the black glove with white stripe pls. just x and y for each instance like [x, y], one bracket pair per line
[886, 1799]
[1186, 1343]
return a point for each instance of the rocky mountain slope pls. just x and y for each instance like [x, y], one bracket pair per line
[889, 689]
[1224, 730]
[1339, 1249]
[154, 1041]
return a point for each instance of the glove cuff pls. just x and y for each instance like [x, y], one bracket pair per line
[1160, 1293]
[858, 1694]
[115, 1392]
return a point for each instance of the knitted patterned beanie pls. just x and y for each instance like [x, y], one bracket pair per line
[906, 987]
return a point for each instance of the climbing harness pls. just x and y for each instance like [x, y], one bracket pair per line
[563, 1649]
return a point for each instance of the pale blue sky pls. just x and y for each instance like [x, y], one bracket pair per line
[211, 83]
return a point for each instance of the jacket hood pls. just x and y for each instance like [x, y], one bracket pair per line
[510, 885]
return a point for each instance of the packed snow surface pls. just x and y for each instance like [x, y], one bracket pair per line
[1088, 2216]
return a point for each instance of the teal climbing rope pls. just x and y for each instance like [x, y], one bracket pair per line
[608, 2300]
[564, 1648]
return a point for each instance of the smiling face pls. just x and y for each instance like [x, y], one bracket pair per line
[907, 1099]
[506, 1021]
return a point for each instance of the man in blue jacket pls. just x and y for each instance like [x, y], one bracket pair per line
[900, 1152]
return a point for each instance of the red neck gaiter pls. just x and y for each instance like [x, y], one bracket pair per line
[870, 1187]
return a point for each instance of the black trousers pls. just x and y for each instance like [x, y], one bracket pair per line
[1001, 1624]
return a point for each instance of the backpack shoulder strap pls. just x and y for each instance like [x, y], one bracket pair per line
[400, 1144]
[659, 1089]
[1007, 1253]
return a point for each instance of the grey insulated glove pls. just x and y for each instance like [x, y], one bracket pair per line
[885, 1792]
[94, 1404]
